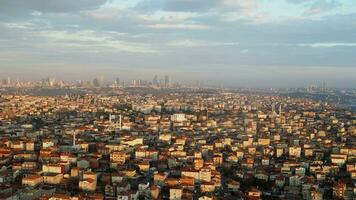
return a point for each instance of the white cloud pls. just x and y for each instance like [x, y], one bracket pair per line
[329, 45]
[167, 16]
[199, 43]
[244, 51]
[19, 25]
[107, 13]
[90, 40]
[320, 7]
[178, 26]
[36, 13]
[249, 10]
[253, 17]
[242, 4]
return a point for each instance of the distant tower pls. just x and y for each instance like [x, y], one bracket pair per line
[101, 81]
[280, 109]
[50, 81]
[117, 81]
[155, 80]
[98, 82]
[324, 87]
[110, 118]
[166, 81]
[8, 80]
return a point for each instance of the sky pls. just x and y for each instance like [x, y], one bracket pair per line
[237, 43]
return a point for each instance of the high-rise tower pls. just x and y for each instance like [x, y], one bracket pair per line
[166, 81]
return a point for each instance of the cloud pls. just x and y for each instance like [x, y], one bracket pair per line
[241, 10]
[244, 51]
[178, 26]
[167, 16]
[329, 45]
[191, 33]
[321, 6]
[94, 41]
[19, 25]
[106, 13]
[248, 16]
[199, 43]
[62, 6]
[195, 5]
[178, 5]
[298, 1]
[242, 4]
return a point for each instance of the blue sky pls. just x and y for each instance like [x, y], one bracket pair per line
[242, 43]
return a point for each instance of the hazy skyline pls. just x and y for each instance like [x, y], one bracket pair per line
[254, 43]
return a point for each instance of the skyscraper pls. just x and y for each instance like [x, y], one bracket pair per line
[155, 80]
[101, 81]
[98, 82]
[117, 81]
[8, 81]
[50, 81]
[95, 82]
[166, 81]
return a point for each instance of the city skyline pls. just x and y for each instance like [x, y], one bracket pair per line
[235, 43]
[162, 81]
